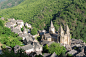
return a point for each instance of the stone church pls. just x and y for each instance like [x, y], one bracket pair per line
[62, 36]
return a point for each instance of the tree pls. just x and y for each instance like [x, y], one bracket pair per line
[69, 55]
[7, 53]
[45, 48]
[57, 48]
[22, 29]
[34, 31]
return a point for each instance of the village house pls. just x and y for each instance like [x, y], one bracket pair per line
[11, 23]
[20, 23]
[62, 36]
[81, 54]
[27, 25]
[33, 47]
[73, 52]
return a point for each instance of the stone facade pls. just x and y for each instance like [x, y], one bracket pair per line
[62, 36]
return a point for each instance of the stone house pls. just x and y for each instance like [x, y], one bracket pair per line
[62, 36]
[10, 24]
[16, 30]
[73, 52]
[33, 47]
[81, 54]
[28, 25]
[20, 23]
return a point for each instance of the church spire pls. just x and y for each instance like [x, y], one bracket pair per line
[67, 29]
[51, 24]
[51, 28]
[60, 29]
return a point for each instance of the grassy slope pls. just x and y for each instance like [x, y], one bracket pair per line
[40, 12]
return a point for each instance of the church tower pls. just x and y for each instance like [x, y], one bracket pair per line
[67, 33]
[60, 34]
[51, 28]
[67, 30]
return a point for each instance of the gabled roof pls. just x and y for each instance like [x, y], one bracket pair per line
[73, 52]
[16, 30]
[26, 47]
[54, 55]
[47, 35]
[81, 54]
[8, 24]
[29, 39]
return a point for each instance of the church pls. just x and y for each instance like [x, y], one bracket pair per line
[63, 36]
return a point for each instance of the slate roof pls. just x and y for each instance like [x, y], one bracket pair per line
[46, 42]
[30, 46]
[8, 24]
[47, 35]
[29, 39]
[46, 55]
[21, 35]
[16, 47]
[15, 30]
[73, 52]
[81, 54]
[54, 55]
[19, 20]
[13, 21]
[68, 47]
[26, 47]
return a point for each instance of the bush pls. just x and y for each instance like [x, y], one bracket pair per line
[34, 31]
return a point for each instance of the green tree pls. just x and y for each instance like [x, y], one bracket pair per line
[0, 16]
[57, 48]
[45, 48]
[20, 53]
[22, 29]
[34, 31]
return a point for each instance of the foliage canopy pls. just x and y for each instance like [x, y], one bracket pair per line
[57, 48]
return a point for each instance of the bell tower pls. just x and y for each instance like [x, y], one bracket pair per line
[67, 32]
[51, 28]
[61, 34]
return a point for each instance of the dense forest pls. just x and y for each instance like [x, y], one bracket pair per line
[9, 3]
[39, 13]
[8, 38]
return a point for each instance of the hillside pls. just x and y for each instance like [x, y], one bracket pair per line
[8, 38]
[9, 3]
[39, 13]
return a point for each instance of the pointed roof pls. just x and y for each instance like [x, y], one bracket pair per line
[54, 55]
[51, 24]
[67, 28]
[60, 29]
